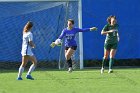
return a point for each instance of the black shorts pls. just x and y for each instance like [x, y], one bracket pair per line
[72, 47]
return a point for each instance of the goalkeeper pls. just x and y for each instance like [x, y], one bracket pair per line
[70, 43]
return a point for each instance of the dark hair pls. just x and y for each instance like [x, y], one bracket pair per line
[71, 20]
[109, 18]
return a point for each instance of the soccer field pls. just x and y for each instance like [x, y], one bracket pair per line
[81, 81]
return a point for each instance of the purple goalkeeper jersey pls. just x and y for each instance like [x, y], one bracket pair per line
[70, 35]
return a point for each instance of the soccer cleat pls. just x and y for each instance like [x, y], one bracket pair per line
[70, 69]
[19, 78]
[110, 71]
[102, 70]
[29, 77]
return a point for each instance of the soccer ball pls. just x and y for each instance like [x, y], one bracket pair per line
[58, 41]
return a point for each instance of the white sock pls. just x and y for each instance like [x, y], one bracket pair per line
[21, 69]
[31, 69]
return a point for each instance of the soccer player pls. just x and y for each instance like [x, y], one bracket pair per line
[27, 54]
[70, 43]
[111, 41]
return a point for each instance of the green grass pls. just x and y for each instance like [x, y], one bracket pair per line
[82, 81]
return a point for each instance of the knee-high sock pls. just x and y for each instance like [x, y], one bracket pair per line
[69, 62]
[31, 69]
[111, 62]
[104, 62]
[21, 69]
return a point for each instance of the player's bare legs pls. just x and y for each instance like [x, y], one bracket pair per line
[68, 54]
[112, 55]
[32, 67]
[106, 54]
[21, 68]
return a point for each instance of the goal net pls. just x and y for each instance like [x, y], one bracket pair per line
[49, 18]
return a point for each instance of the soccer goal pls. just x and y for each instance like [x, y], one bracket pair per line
[49, 18]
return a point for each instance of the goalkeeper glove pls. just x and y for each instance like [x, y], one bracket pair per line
[53, 44]
[93, 29]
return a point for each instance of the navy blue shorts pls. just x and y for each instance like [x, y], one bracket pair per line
[72, 47]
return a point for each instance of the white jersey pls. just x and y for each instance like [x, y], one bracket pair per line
[26, 48]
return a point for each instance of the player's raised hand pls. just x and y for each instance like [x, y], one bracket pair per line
[93, 29]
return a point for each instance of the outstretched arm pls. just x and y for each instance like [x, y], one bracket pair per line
[87, 29]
